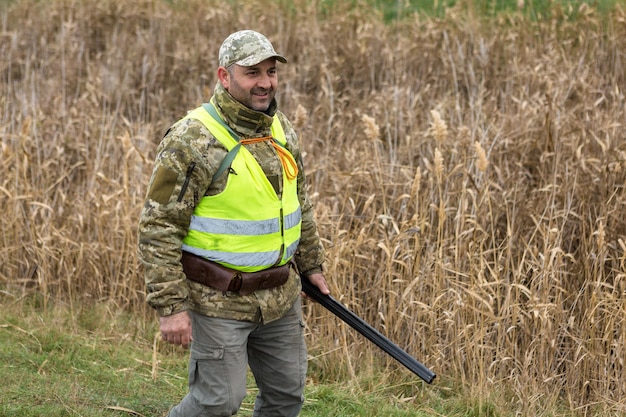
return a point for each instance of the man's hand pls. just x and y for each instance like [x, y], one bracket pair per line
[320, 282]
[176, 329]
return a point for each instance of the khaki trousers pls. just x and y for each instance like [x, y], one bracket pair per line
[221, 352]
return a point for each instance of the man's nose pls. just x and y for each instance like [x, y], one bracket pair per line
[265, 81]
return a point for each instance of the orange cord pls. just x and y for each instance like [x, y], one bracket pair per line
[289, 164]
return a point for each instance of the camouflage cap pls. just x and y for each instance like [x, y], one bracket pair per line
[247, 48]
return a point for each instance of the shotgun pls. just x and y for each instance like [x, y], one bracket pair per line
[367, 330]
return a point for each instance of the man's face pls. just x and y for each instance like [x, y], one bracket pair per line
[255, 86]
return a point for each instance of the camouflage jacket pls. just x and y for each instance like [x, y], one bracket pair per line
[187, 159]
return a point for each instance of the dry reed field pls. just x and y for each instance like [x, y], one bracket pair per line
[469, 176]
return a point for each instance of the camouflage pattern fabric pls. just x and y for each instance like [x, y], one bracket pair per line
[247, 48]
[187, 158]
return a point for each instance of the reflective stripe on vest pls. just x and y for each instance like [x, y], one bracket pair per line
[246, 226]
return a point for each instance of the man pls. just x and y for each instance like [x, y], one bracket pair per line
[225, 219]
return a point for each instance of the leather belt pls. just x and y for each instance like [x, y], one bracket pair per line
[221, 278]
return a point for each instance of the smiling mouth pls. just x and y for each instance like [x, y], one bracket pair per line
[261, 93]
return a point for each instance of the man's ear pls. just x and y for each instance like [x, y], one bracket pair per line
[224, 76]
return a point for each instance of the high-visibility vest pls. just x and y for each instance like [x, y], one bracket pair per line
[246, 227]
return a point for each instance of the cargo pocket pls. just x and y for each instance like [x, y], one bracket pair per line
[208, 353]
[210, 383]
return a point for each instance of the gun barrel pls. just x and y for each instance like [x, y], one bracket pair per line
[368, 331]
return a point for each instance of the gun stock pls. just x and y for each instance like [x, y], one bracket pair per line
[367, 330]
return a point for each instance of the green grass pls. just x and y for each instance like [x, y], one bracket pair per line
[54, 367]
[56, 361]
[395, 10]
[93, 362]
[398, 9]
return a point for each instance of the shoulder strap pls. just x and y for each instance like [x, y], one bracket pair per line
[277, 130]
[210, 108]
[230, 156]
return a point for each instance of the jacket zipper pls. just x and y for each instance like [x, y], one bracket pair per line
[183, 190]
[282, 234]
